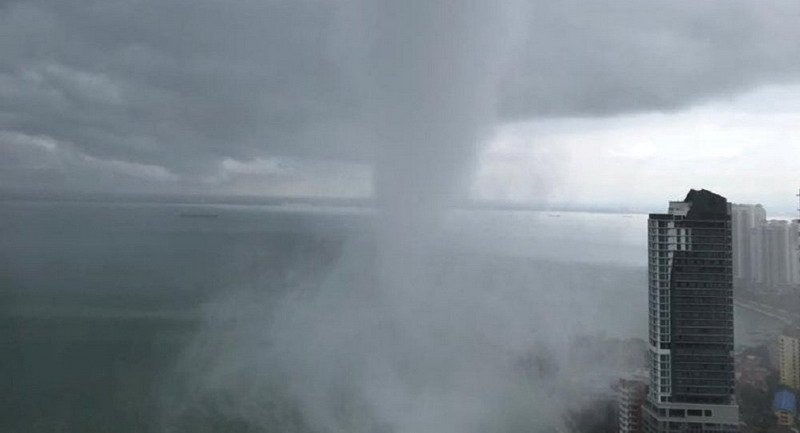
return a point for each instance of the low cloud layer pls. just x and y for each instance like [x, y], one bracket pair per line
[602, 58]
[179, 87]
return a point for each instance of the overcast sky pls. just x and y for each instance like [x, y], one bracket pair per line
[598, 102]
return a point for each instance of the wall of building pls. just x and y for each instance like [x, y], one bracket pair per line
[789, 360]
[766, 253]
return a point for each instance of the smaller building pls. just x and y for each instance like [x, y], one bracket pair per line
[784, 405]
[631, 395]
[789, 358]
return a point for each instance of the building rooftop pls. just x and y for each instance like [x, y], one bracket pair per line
[785, 401]
[706, 204]
[698, 205]
[791, 331]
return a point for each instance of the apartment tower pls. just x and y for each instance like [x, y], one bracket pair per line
[691, 318]
[631, 395]
[789, 358]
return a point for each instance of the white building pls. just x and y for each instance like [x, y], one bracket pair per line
[745, 218]
[766, 253]
[631, 396]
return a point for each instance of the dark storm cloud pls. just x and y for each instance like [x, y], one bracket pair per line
[170, 82]
[186, 84]
[612, 56]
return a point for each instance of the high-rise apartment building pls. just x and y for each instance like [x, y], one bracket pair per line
[779, 259]
[691, 317]
[766, 253]
[745, 219]
[789, 359]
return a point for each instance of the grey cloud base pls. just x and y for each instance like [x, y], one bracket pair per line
[176, 88]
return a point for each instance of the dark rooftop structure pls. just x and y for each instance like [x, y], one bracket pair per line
[706, 205]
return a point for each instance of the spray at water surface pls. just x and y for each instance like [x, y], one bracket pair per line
[403, 335]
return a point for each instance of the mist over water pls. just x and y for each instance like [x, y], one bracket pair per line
[471, 342]
[403, 335]
[386, 345]
[101, 329]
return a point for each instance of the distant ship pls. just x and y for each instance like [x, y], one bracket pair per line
[197, 215]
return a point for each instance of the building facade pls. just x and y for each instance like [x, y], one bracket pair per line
[789, 359]
[779, 259]
[631, 396]
[766, 253]
[746, 218]
[691, 318]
